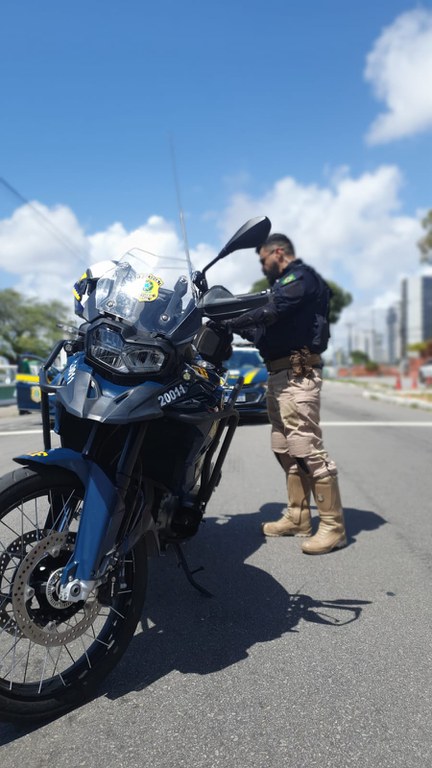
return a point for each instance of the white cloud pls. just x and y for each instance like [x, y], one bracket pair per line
[399, 68]
[156, 236]
[42, 248]
[350, 229]
[44, 251]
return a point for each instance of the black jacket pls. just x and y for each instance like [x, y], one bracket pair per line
[296, 316]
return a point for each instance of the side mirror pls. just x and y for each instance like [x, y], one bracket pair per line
[250, 235]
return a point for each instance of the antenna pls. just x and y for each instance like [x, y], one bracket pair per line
[48, 225]
[182, 219]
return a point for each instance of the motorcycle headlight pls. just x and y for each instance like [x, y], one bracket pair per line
[107, 347]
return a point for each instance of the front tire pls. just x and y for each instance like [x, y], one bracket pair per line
[53, 655]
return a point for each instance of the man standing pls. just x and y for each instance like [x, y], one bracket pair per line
[291, 332]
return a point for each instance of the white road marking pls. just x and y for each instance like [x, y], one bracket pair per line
[323, 424]
[376, 423]
[21, 432]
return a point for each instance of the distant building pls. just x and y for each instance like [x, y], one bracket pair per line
[370, 342]
[416, 310]
[393, 335]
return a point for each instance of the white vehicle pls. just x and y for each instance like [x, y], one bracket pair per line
[425, 372]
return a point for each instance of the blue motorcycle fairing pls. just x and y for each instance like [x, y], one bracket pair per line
[101, 513]
[88, 395]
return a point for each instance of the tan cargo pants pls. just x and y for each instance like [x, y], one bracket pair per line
[293, 404]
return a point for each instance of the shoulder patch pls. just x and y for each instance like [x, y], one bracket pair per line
[288, 279]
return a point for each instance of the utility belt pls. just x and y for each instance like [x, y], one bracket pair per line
[300, 363]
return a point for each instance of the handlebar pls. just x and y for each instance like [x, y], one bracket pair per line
[219, 304]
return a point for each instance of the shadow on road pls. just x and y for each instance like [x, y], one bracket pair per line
[358, 520]
[185, 631]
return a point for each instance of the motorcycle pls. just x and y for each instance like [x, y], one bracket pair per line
[144, 426]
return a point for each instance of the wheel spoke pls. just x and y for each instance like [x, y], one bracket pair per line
[117, 612]
[64, 516]
[12, 530]
[32, 524]
[27, 662]
[15, 660]
[43, 671]
[85, 652]
[5, 629]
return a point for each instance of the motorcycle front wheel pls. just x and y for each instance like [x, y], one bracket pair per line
[53, 655]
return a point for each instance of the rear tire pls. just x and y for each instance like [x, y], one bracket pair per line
[53, 655]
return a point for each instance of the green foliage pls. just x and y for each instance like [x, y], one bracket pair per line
[27, 325]
[423, 347]
[339, 300]
[371, 366]
[260, 285]
[419, 346]
[425, 242]
[359, 358]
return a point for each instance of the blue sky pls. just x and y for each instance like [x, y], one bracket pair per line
[317, 113]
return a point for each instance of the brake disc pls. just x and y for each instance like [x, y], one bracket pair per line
[8, 562]
[59, 630]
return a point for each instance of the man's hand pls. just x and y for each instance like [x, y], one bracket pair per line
[220, 326]
[248, 321]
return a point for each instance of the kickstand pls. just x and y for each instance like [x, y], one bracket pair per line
[182, 563]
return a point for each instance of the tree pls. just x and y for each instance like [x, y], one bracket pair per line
[27, 325]
[423, 347]
[425, 242]
[359, 357]
[339, 300]
[260, 285]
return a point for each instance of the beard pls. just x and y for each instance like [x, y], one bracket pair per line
[272, 273]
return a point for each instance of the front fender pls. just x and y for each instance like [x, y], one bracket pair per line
[58, 457]
[101, 515]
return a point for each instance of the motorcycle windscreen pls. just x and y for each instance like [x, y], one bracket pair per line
[152, 293]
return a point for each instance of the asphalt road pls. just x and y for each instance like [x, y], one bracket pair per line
[296, 660]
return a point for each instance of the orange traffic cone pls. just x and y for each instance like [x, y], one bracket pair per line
[398, 383]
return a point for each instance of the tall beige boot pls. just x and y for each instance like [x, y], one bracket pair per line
[331, 532]
[296, 521]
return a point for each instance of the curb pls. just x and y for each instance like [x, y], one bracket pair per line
[407, 401]
[6, 411]
[375, 394]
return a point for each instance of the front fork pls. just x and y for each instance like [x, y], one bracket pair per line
[103, 514]
[102, 519]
